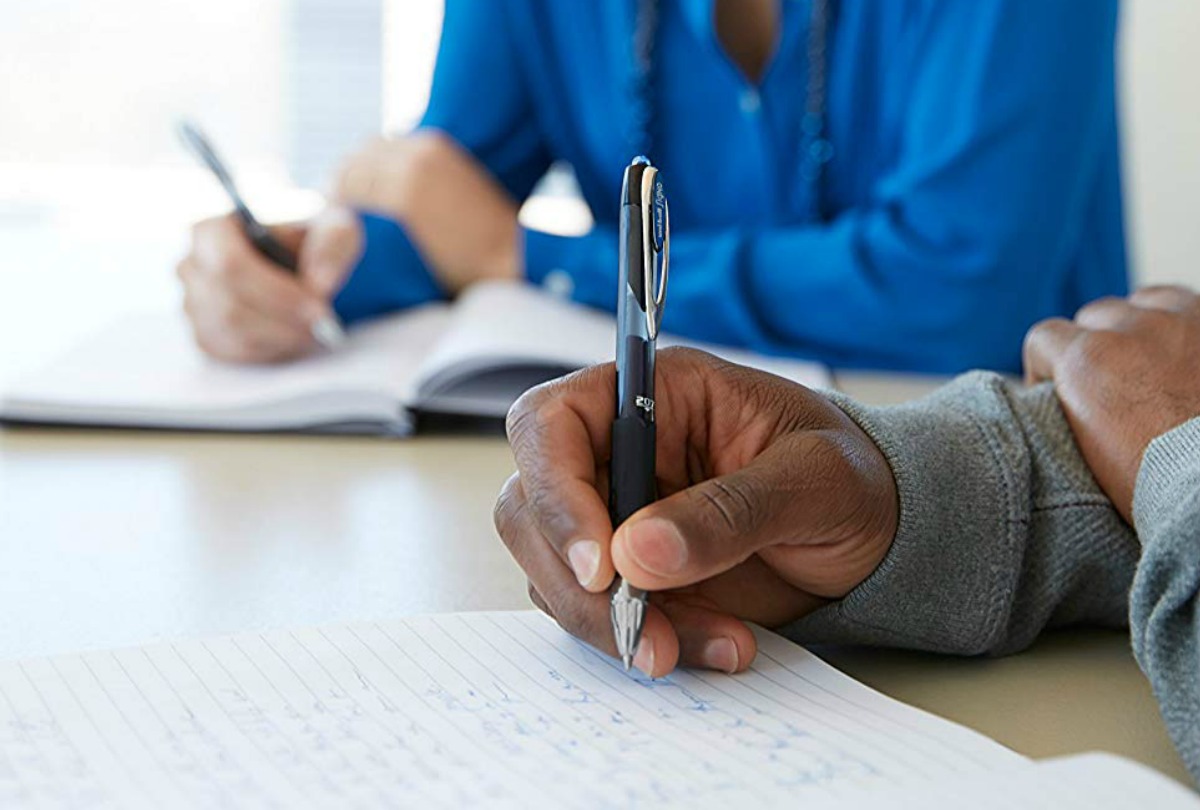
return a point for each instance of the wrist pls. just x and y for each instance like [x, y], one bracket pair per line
[504, 262]
[927, 591]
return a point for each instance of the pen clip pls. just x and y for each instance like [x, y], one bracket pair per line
[656, 248]
[199, 146]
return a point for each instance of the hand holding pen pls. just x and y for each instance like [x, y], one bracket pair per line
[771, 500]
[258, 294]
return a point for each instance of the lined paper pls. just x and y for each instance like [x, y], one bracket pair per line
[495, 709]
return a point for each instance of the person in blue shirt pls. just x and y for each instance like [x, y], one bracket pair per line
[901, 185]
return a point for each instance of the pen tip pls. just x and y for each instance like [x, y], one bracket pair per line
[627, 660]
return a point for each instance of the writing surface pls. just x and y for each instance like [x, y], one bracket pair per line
[502, 709]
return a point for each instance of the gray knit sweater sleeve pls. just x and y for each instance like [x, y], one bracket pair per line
[1003, 531]
[1164, 611]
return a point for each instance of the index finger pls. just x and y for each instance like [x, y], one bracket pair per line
[559, 433]
[1045, 345]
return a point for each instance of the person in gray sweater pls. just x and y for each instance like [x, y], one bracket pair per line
[966, 522]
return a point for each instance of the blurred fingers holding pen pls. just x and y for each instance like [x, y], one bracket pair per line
[243, 307]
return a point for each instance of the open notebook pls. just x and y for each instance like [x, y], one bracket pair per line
[472, 358]
[498, 710]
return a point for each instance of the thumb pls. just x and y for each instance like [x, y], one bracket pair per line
[333, 245]
[803, 489]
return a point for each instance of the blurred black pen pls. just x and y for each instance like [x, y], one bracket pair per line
[644, 252]
[328, 331]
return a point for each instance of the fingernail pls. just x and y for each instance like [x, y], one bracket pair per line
[584, 557]
[657, 546]
[643, 659]
[721, 654]
[328, 332]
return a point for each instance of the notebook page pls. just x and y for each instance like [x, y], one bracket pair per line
[147, 371]
[498, 322]
[482, 709]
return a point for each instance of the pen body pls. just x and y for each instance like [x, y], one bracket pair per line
[632, 485]
[631, 478]
[265, 242]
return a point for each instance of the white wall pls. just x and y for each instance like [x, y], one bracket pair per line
[1161, 110]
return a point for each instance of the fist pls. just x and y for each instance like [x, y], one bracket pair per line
[1126, 371]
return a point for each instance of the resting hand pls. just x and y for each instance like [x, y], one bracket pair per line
[773, 501]
[459, 218]
[1126, 371]
[244, 308]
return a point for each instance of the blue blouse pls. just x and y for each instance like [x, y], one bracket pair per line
[974, 189]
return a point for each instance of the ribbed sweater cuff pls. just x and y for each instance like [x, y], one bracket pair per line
[954, 557]
[1168, 479]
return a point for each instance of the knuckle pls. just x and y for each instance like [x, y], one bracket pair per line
[578, 392]
[211, 228]
[528, 413]
[424, 153]
[728, 504]
[428, 144]
[200, 230]
[1104, 312]
[1163, 292]
[689, 359]
[685, 354]
[1101, 304]
[1042, 328]
[1053, 347]
[1040, 337]
[509, 506]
